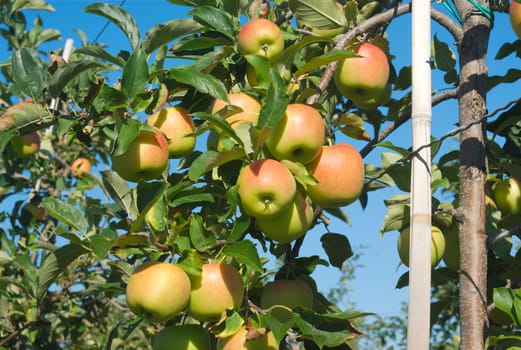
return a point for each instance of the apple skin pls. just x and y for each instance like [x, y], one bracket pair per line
[80, 166]
[514, 12]
[507, 195]
[263, 37]
[145, 158]
[291, 224]
[27, 144]
[178, 127]
[437, 245]
[182, 337]
[218, 288]
[266, 188]
[339, 170]
[249, 104]
[238, 341]
[289, 293]
[361, 79]
[376, 101]
[299, 135]
[38, 213]
[158, 291]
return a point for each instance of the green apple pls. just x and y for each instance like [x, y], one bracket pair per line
[292, 224]
[178, 127]
[218, 288]
[27, 144]
[365, 77]
[339, 170]
[146, 157]
[266, 188]
[158, 291]
[182, 337]
[437, 246]
[240, 341]
[263, 37]
[507, 195]
[299, 135]
[514, 13]
[288, 293]
[80, 166]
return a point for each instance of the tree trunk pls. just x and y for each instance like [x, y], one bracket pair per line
[473, 169]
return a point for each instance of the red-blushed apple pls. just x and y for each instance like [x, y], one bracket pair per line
[38, 213]
[182, 337]
[339, 170]
[376, 101]
[507, 195]
[145, 158]
[514, 13]
[266, 188]
[218, 288]
[437, 245]
[27, 144]
[250, 108]
[299, 135]
[241, 341]
[263, 37]
[178, 127]
[291, 224]
[158, 291]
[288, 293]
[363, 78]
[80, 166]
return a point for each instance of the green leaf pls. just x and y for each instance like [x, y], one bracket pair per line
[30, 5]
[55, 263]
[399, 172]
[110, 99]
[320, 14]
[211, 159]
[103, 242]
[66, 213]
[200, 239]
[145, 194]
[444, 58]
[135, 74]
[162, 34]
[120, 17]
[29, 73]
[240, 225]
[119, 191]
[337, 248]
[202, 82]
[98, 51]
[274, 104]
[21, 115]
[215, 19]
[66, 73]
[320, 61]
[246, 252]
[128, 131]
[191, 262]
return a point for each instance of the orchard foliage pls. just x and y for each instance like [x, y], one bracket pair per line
[69, 244]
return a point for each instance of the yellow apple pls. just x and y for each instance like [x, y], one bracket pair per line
[27, 144]
[80, 166]
[182, 337]
[240, 341]
[437, 246]
[288, 293]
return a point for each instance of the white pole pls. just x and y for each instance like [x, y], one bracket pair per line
[418, 331]
[66, 55]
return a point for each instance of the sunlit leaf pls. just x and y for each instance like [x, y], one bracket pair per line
[163, 33]
[29, 73]
[66, 213]
[135, 74]
[246, 252]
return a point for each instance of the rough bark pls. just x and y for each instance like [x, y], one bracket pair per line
[472, 107]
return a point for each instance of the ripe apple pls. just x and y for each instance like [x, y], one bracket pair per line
[437, 246]
[266, 188]
[262, 37]
[376, 101]
[218, 288]
[240, 341]
[80, 166]
[363, 78]
[507, 195]
[178, 127]
[299, 135]
[452, 252]
[250, 108]
[27, 144]
[182, 337]
[145, 158]
[289, 293]
[339, 170]
[514, 13]
[158, 291]
[291, 224]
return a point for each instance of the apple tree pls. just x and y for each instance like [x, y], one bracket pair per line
[226, 137]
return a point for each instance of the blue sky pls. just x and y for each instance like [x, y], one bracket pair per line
[373, 287]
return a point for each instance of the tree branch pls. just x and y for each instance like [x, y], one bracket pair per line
[514, 231]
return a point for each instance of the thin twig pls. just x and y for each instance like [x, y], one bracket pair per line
[514, 231]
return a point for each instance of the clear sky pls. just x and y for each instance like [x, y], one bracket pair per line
[373, 287]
